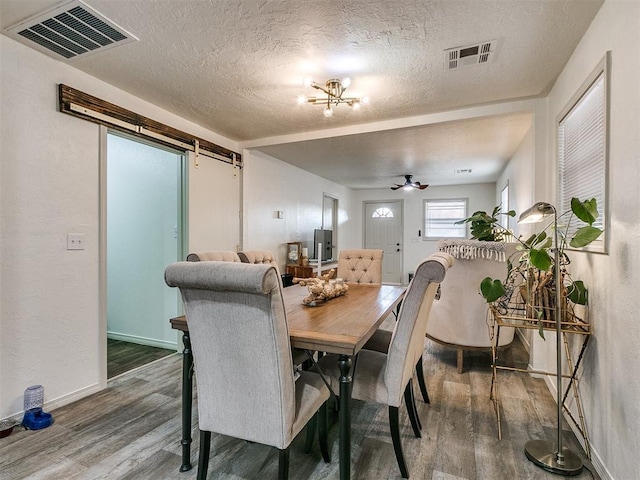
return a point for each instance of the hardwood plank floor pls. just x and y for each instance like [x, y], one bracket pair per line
[131, 430]
[125, 356]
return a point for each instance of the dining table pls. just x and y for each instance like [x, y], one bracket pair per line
[341, 325]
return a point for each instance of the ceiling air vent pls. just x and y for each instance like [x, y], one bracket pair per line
[478, 54]
[70, 31]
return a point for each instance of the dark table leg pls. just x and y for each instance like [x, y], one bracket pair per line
[344, 363]
[187, 390]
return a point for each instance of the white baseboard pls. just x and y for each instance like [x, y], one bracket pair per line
[524, 340]
[151, 342]
[596, 461]
[61, 401]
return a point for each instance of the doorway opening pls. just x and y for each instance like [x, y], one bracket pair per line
[144, 233]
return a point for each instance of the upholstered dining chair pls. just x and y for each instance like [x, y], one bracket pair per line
[242, 353]
[258, 256]
[360, 265]
[380, 341]
[386, 378]
[214, 256]
[267, 257]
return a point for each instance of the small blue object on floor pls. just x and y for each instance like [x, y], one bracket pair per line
[36, 419]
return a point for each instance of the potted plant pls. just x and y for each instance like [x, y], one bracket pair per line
[534, 273]
[487, 228]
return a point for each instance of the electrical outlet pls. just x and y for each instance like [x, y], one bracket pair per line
[75, 241]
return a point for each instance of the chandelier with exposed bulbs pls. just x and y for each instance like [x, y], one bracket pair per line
[334, 89]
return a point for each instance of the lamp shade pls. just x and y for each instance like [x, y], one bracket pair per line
[536, 213]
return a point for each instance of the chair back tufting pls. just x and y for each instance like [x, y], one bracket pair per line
[216, 256]
[360, 266]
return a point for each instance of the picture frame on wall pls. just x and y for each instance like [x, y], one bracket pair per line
[294, 253]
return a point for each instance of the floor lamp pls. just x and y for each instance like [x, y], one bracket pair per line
[553, 458]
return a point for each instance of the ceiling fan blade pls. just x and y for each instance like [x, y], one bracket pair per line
[422, 187]
[396, 187]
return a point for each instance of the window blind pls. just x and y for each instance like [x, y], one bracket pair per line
[582, 154]
[440, 218]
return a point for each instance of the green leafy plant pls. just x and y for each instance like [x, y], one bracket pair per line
[535, 268]
[487, 227]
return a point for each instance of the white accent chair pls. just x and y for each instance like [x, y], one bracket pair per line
[386, 377]
[241, 351]
[459, 319]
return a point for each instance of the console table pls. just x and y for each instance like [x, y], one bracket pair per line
[307, 271]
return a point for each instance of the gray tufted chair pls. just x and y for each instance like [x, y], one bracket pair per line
[259, 256]
[360, 266]
[241, 351]
[386, 377]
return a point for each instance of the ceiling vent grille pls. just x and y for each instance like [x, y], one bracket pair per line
[70, 31]
[460, 57]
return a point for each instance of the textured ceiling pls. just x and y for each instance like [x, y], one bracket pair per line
[432, 153]
[237, 66]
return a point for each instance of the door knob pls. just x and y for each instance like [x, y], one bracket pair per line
[397, 249]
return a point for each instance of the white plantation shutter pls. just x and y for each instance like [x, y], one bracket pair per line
[582, 153]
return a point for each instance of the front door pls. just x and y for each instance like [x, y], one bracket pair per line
[383, 230]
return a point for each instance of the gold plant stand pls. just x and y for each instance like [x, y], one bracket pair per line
[516, 317]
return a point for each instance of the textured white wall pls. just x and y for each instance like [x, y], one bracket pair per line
[481, 197]
[50, 330]
[270, 185]
[611, 385]
[519, 174]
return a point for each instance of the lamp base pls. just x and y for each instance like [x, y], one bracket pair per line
[544, 455]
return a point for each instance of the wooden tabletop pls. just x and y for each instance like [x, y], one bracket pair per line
[341, 325]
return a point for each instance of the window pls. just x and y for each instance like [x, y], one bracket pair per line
[582, 149]
[382, 212]
[504, 207]
[440, 217]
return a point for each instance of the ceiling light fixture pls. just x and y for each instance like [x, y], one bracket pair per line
[334, 89]
[409, 184]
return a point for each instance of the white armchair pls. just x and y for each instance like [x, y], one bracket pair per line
[459, 319]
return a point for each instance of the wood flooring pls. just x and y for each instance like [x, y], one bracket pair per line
[131, 430]
[125, 356]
